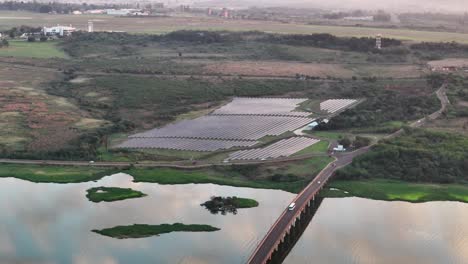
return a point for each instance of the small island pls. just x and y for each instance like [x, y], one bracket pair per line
[224, 205]
[142, 231]
[111, 194]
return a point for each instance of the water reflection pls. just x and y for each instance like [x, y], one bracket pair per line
[51, 223]
[355, 230]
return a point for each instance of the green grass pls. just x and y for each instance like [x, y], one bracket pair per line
[326, 134]
[390, 190]
[55, 174]
[36, 49]
[320, 147]
[173, 176]
[309, 167]
[246, 203]
[110, 194]
[141, 231]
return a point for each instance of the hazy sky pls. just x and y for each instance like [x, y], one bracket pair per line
[396, 5]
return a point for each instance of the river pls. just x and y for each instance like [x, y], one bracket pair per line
[47, 223]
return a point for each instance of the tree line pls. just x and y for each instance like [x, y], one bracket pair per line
[57, 7]
[417, 156]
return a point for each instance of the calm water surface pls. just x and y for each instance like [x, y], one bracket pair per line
[51, 223]
[355, 230]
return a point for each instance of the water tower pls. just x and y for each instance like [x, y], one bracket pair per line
[378, 41]
[90, 26]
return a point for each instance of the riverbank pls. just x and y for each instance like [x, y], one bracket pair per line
[393, 190]
[377, 189]
[291, 177]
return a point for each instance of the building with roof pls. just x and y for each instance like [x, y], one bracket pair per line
[58, 30]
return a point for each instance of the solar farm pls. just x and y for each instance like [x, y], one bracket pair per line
[283, 148]
[335, 105]
[263, 106]
[240, 124]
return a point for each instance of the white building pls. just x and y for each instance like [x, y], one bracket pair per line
[120, 12]
[58, 30]
[339, 148]
[363, 18]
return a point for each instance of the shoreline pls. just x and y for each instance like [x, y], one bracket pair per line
[376, 189]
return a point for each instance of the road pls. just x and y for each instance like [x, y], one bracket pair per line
[287, 218]
[175, 165]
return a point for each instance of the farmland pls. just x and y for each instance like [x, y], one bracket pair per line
[160, 25]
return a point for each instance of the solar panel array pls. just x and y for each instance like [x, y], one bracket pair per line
[184, 144]
[283, 148]
[240, 123]
[262, 106]
[335, 105]
[228, 127]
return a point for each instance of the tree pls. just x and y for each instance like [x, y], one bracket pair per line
[360, 141]
[5, 43]
[45, 9]
[346, 142]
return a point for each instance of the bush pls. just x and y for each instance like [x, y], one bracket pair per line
[360, 142]
[31, 39]
[43, 38]
[4, 43]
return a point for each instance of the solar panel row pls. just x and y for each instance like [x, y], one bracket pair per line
[335, 105]
[283, 148]
[228, 127]
[184, 144]
[263, 106]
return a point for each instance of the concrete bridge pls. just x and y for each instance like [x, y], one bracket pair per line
[277, 242]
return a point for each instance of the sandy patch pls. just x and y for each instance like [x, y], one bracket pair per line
[89, 123]
[92, 94]
[80, 80]
[463, 103]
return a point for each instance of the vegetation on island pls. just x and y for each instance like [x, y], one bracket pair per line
[224, 205]
[111, 194]
[142, 231]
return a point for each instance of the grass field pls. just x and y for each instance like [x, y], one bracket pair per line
[167, 24]
[55, 174]
[398, 191]
[43, 50]
[140, 231]
[320, 147]
[172, 176]
[327, 135]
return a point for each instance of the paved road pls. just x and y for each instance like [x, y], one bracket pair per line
[176, 165]
[287, 218]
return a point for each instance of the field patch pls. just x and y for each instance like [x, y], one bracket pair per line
[33, 49]
[277, 68]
